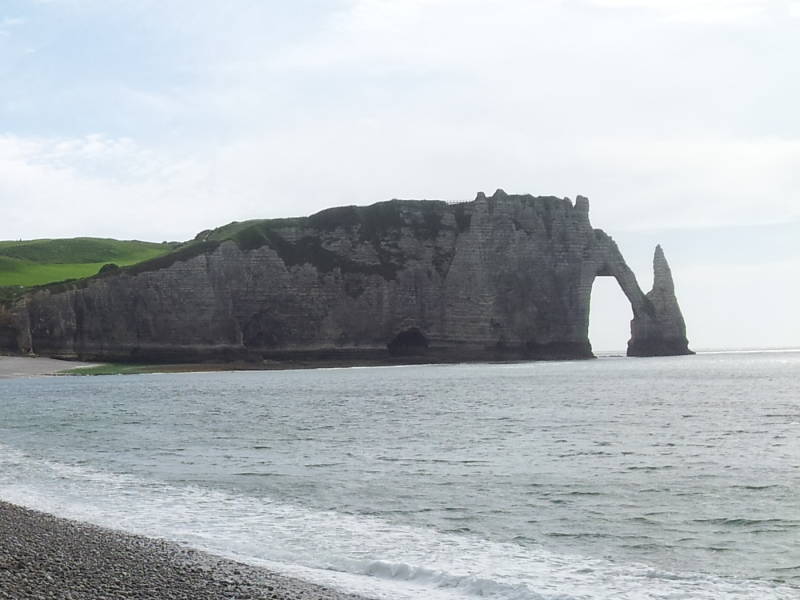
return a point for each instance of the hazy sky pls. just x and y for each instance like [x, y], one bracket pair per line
[679, 119]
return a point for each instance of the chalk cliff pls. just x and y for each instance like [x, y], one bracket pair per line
[497, 278]
[663, 331]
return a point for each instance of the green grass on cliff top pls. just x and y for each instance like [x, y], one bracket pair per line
[37, 262]
[28, 263]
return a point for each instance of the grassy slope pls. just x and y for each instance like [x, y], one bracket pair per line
[36, 262]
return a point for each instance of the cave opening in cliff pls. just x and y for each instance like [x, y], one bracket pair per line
[408, 343]
[610, 315]
[8, 340]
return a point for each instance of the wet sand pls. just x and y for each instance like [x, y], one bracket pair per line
[45, 557]
[27, 366]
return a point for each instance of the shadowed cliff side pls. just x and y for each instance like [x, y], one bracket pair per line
[501, 277]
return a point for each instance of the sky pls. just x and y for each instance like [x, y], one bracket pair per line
[679, 120]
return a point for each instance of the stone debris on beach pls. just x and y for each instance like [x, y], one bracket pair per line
[45, 557]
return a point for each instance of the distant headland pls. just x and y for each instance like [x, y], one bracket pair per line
[504, 277]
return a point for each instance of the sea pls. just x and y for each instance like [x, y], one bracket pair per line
[616, 478]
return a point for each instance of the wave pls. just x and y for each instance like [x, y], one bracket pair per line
[356, 553]
[742, 522]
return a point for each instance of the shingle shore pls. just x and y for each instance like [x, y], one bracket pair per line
[45, 557]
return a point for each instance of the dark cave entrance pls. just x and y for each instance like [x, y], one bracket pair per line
[408, 343]
[8, 339]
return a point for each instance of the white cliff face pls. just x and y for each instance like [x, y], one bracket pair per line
[500, 277]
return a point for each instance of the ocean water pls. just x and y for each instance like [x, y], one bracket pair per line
[667, 478]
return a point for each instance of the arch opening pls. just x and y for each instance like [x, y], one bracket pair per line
[610, 315]
[409, 342]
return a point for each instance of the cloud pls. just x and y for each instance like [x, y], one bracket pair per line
[741, 306]
[696, 11]
[96, 185]
[420, 98]
[101, 186]
[439, 35]
[92, 186]
[12, 22]
[694, 182]
[433, 35]
[9, 23]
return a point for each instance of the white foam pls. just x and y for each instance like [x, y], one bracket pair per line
[749, 351]
[356, 553]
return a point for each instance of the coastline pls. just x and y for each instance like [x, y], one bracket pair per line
[15, 366]
[43, 556]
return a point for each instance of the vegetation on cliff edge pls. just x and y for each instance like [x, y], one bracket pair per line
[28, 263]
[60, 264]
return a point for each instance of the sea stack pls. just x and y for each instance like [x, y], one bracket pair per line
[662, 331]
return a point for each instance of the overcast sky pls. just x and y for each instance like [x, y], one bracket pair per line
[679, 119]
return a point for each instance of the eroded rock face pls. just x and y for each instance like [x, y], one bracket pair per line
[499, 277]
[662, 331]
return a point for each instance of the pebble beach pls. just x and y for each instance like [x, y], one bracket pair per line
[44, 557]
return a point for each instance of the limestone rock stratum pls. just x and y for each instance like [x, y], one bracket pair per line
[501, 277]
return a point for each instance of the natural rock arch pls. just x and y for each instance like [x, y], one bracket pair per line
[657, 327]
[500, 277]
[609, 316]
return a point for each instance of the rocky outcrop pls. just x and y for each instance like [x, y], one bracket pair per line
[497, 278]
[660, 330]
